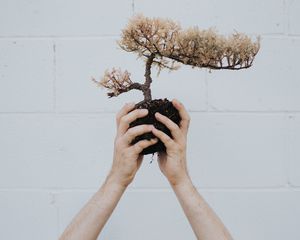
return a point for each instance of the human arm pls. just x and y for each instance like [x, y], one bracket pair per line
[204, 222]
[127, 159]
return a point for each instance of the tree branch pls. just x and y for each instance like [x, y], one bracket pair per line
[136, 86]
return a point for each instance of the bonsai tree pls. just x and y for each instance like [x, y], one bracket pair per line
[164, 44]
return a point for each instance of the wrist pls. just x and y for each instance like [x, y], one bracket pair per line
[111, 189]
[182, 181]
[114, 181]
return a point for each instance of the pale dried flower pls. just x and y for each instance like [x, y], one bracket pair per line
[116, 81]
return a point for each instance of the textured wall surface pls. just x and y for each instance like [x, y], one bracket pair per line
[57, 128]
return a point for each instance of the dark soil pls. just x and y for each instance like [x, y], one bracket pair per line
[163, 106]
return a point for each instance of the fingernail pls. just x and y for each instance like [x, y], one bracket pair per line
[144, 111]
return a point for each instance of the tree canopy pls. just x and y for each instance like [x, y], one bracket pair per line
[199, 48]
[163, 42]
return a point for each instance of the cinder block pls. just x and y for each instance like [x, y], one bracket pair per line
[62, 151]
[28, 215]
[294, 156]
[79, 60]
[226, 16]
[63, 18]
[139, 215]
[260, 215]
[26, 75]
[238, 150]
[293, 16]
[271, 84]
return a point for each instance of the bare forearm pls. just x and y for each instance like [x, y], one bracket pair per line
[91, 219]
[205, 223]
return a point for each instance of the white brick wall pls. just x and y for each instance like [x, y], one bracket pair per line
[26, 74]
[57, 128]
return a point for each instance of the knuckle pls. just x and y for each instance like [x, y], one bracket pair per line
[124, 119]
[145, 144]
[138, 145]
[131, 132]
[147, 127]
[143, 111]
[168, 139]
[138, 148]
[174, 127]
[143, 128]
[139, 113]
[136, 111]
[141, 144]
[161, 135]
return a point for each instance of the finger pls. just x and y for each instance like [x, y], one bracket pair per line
[130, 117]
[163, 137]
[185, 117]
[124, 110]
[141, 145]
[173, 127]
[136, 131]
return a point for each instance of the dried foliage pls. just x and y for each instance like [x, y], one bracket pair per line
[116, 81]
[195, 47]
[164, 43]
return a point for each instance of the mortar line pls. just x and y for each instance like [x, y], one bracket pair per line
[289, 149]
[67, 37]
[206, 91]
[54, 78]
[286, 17]
[190, 111]
[284, 35]
[133, 7]
[155, 189]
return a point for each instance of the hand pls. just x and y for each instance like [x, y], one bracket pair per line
[172, 162]
[127, 158]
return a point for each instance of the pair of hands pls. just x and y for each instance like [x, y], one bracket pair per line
[127, 158]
